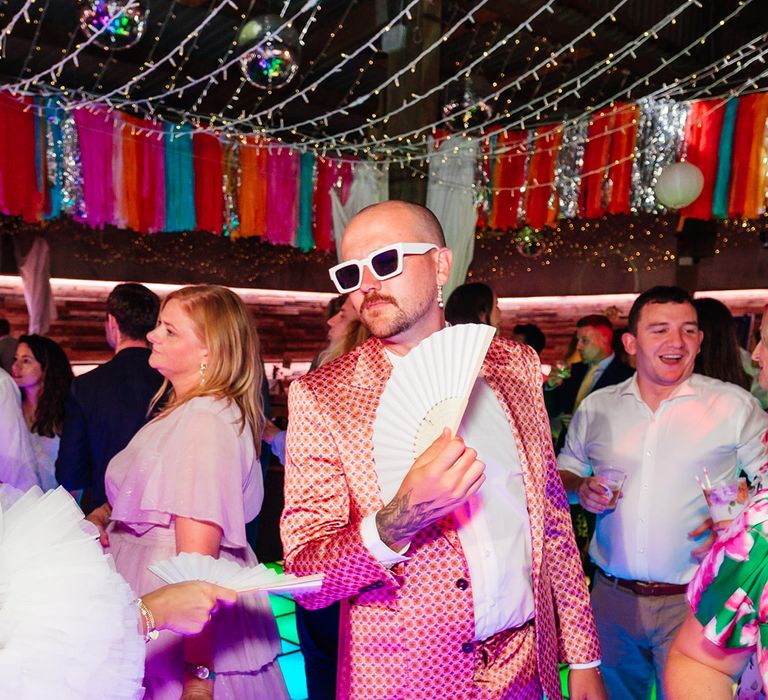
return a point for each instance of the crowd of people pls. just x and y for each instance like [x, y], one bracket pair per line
[510, 548]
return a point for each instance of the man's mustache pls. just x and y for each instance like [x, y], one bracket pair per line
[374, 298]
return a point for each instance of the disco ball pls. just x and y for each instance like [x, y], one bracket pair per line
[120, 29]
[529, 242]
[465, 107]
[274, 59]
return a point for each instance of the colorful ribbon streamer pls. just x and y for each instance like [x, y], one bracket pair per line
[94, 133]
[702, 141]
[179, 179]
[209, 173]
[282, 194]
[540, 206]
[19, 193]
[253, 188]
[304, 239]
[508, 179]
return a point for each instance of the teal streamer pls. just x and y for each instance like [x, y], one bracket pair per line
[52, 113]
[492, 141]
[179, 179]
[724, 157]
[304, 239]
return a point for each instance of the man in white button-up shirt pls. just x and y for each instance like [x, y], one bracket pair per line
[663, 427]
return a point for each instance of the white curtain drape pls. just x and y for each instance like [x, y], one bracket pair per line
[450, 196]
[34, 268]
[370, 185]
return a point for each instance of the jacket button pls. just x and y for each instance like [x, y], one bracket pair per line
[467, 647]
[462, 584]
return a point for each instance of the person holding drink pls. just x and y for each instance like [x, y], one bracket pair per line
[660, 427]
[728, 598]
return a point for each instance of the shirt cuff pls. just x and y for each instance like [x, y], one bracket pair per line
[591, 664]
[383, 554]
[278, 446]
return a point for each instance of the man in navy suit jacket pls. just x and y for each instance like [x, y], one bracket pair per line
[107, 406]
[599, 368]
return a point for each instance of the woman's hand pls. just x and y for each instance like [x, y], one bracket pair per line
[101, 518]
[185, 608]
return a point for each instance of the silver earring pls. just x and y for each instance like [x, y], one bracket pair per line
[440, 296]
[203, 367]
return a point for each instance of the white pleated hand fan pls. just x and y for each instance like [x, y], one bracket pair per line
[191, 566]
[427, 391]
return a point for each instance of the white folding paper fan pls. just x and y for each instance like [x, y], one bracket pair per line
[427, 391]
[189, 566]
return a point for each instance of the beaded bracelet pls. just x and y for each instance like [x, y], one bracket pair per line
[149, 621]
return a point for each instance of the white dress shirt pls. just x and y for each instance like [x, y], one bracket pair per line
[704, 424]
[494, 527]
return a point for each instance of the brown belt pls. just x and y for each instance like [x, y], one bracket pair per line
[650, 588]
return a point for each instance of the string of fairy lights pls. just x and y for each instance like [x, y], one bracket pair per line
[409, 147]
[336, 140]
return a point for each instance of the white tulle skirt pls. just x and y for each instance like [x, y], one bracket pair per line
[68, 623]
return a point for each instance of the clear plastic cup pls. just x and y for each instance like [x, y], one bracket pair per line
[611, 479]
[726, 499]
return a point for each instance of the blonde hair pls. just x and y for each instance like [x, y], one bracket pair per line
[355, 334]
[233, 371]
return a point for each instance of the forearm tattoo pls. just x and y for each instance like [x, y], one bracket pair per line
[399, 520]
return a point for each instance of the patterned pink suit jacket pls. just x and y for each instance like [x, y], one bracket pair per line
[406, 631]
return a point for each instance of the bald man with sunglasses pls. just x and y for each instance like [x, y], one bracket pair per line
[468, 583]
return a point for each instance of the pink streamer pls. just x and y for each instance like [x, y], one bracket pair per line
[282, 194]
[330, 174]
[94, 134]
[153, 182]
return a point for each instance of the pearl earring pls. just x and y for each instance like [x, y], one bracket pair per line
[440, 296]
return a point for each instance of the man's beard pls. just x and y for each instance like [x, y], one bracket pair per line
[382, 326]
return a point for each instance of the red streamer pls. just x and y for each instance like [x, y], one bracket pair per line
[596, 153]
[622, 150]
[209, 179]
[508, 179]
[702, 144]
[541, 176]
[329, 173]
[19, 193]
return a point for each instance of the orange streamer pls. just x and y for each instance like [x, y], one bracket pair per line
[253, 188]
[508, 179]
[748, 172]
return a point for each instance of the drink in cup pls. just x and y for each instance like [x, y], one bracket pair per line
[611, 479]
[726, 499]
[559, 372]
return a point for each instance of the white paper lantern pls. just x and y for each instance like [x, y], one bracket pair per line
[679, 184]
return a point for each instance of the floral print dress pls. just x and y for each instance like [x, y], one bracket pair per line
[729, 592]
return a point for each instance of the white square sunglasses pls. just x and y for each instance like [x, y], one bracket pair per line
[384, 263]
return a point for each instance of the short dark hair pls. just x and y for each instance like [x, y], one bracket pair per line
[135, 309]
[5, 327]
[656, 295]
[468, 303]
[532, 334]
[595, 321]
